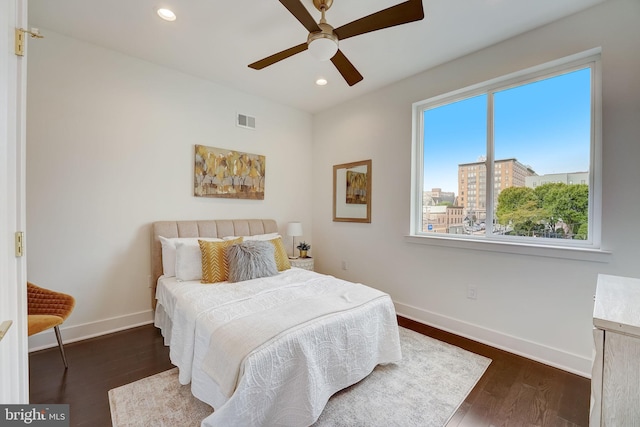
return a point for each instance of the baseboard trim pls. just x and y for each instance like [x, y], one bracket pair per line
[88, 330]
[557, 358]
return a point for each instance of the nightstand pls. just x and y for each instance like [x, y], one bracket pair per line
[306, 263]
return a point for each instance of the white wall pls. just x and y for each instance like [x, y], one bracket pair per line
[537, 306]
[110, 149]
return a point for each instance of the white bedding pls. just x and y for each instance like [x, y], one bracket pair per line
[288, 381]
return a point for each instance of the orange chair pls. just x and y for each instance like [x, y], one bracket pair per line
[48, 309]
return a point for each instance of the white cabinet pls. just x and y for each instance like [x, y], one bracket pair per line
[615, 381]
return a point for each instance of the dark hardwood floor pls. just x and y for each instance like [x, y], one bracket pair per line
[96, 366]
[514, 391]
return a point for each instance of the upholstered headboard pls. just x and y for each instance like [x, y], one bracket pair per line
[204, 228]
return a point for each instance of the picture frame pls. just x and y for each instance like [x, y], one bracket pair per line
[352, 192]
[229, 174]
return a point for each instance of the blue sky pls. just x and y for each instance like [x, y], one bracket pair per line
[545, 124]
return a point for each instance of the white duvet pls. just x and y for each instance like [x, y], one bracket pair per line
[288, 380]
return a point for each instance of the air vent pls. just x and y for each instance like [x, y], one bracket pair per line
[247, 122]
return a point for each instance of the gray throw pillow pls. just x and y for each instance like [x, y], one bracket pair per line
[250, 260]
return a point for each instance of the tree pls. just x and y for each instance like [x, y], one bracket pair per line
[541, 210]
[526, 219]
[542, 192]
[582, 232]
[512, 199]
[569, 203]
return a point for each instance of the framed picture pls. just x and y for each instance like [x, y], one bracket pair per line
[228, 174]
[352, 192]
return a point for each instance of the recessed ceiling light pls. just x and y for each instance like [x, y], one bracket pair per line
[321, 81]
[166, 14]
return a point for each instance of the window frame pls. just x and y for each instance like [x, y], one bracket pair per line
[545, 247]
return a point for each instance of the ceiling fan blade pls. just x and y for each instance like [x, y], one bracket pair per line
[403, 13]
[270, 60]
[302, 14]
[346, 68]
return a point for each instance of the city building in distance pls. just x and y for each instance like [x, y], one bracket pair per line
[472, 184]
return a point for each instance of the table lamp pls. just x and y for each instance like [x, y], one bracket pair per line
[294, 229]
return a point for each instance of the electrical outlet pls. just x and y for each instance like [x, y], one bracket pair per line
[344, 265]
[472, 292]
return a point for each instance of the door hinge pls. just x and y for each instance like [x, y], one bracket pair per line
[19, 243]
[19, 42]
[20, 39]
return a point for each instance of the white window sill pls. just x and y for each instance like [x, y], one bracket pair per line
[519, 248]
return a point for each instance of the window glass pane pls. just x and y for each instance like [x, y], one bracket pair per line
[542, 143]
[455, 146]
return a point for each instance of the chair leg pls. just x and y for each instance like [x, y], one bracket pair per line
[59, 338]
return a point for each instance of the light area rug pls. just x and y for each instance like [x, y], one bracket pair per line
[424, 389]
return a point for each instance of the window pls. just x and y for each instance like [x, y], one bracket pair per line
[531, 134]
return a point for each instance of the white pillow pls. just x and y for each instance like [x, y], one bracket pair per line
[169, 251]
[268, 236]
[168, 256]
[188, 261]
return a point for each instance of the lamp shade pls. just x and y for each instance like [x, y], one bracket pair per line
[323, 49]
[294, 229]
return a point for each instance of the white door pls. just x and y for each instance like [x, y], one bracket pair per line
[14, 368]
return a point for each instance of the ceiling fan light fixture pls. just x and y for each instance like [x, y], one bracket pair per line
[323, 46]
[323, 39]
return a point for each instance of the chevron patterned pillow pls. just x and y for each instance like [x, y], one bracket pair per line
[282, 259]
[215, 267]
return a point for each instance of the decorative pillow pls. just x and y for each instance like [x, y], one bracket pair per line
[251, 260]
[169, 252]
[280, 254]
[215, 267]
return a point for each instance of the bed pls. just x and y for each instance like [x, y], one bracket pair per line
[268, 350]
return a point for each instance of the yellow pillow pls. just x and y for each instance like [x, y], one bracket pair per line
[215, 267]
[282, 259]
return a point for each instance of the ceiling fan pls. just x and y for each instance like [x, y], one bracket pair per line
[323, 39]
